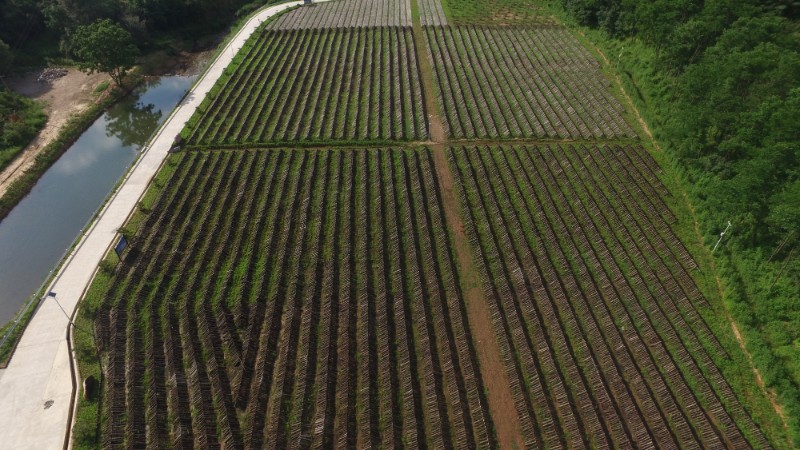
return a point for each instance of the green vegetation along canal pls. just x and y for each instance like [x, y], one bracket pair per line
[35, 235]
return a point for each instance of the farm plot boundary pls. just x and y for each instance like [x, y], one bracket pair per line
[519, 82]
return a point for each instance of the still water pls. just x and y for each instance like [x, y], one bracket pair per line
[34, 236]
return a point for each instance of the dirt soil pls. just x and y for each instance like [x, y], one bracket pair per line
[61, 98]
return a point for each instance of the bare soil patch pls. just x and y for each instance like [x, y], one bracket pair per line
[504, 17]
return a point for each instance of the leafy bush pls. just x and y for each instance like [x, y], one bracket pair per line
[20, 121]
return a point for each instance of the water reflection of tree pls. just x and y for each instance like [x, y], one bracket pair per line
[133, 126]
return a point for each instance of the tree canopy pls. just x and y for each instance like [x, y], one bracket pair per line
[105, 46]
[20, 119]
[48, 24]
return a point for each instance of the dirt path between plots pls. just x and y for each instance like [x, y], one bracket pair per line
[759, 381]
[61, 99]
[493, 373]
[770, 394]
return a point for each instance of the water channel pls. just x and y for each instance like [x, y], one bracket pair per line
[37, 232]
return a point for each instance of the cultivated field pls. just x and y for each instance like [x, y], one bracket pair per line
[347, 14]
[494, 12]
[350, 85]
[292, 299]
[521, 82]
[431, 13]
[409, 288]
[598, 320]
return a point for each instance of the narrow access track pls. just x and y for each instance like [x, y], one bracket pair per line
[493, 372]
[38, 388]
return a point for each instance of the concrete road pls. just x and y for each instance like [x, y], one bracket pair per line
[37, 387]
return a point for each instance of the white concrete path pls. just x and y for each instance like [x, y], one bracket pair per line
[40, 371]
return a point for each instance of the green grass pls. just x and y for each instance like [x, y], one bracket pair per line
[100, 88]
[10, 345]
[20, 121]
[743, 274]
[86, 432]
[737, 369]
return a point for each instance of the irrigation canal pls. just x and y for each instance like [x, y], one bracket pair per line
[37, 232]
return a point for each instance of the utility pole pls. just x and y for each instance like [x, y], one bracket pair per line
[721, 236]
[52, 295]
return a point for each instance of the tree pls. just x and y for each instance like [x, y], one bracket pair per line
[19, 21]
[104, 46]
[656, 20]
[64, 16]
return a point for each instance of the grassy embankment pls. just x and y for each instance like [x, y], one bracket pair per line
[71, 131]
[86, 432]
